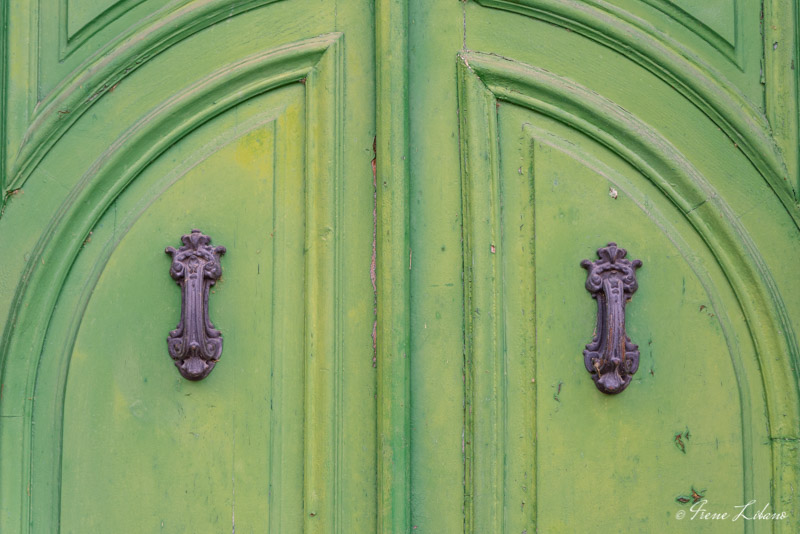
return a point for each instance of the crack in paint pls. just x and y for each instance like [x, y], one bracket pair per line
[372, 275]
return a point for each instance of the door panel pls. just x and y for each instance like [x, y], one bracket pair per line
[685, 336]
[557, 111]
[247, 142]
[538, 193]
[152, 429]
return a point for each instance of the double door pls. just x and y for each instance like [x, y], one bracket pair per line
[405, 191]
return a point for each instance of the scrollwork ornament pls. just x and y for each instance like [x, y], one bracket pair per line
[195, 345]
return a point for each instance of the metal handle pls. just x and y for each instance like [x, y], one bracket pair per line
[611, 358]
[195, 345]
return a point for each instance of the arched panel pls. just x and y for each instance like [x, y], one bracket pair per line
[51, 93]
[552, 171]
[719, 31]
[180, 115]
[705, 82]
[716, 22]
[234, 439]
[78, 21]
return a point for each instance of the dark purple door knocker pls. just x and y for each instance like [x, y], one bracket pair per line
[195, 345]
[612, 358]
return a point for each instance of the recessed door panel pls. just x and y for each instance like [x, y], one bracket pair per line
[543, 189]
[134, 429]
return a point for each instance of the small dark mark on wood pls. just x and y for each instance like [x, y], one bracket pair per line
[679, 443]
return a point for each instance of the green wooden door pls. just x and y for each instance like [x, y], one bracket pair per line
[665, 127]
[253, 122]
[405, 190]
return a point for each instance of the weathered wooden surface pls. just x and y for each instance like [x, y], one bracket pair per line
[403, 324]
[253, 122]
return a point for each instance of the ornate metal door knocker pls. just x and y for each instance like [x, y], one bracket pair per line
[611, 358]
[195, 345]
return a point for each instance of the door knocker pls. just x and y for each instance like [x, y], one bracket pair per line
[195, 345]
[611, 358]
